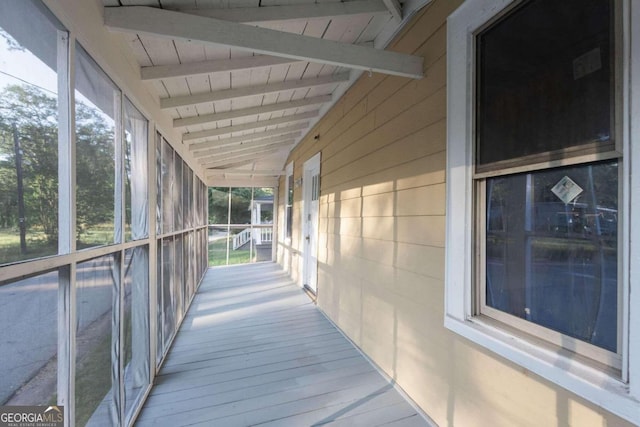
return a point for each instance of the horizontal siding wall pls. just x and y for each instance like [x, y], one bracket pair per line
[382, 247]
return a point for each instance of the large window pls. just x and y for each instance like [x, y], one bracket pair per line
[538, 168]
[547, 234]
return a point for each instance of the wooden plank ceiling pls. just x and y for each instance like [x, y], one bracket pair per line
[245, 80]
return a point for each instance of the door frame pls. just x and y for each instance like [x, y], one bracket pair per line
[309, 237]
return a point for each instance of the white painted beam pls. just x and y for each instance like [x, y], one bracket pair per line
[215, 66]
[253, 111]
[246, 148]
[209, 31]
[395, 9]
[271, 172]
[220, 181]
[228, 161]
[254, 143]
[248, 126]
[242, 92]
[292, 12]
[245, 151]
[291, 131]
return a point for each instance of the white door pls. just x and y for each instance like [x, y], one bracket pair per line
[311, 195]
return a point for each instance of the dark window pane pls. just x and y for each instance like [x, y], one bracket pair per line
[289, 207]
[545, 80]
[551, 249]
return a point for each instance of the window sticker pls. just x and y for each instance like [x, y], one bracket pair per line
[567, 190]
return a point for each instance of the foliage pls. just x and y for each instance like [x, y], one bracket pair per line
[240, 204]
[31, 115]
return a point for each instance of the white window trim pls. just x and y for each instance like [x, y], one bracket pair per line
[288, 173]
[588, 382]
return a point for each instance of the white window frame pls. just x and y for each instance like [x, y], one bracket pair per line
[288, 173]
[621, 397]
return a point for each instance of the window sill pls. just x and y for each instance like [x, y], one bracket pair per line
[585, 381]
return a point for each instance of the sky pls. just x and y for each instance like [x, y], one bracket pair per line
[26, 66]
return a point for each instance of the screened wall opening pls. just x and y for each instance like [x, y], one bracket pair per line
[240, 225]
[29, 122]
[83, 257]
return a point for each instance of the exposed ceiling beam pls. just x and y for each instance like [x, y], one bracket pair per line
[220, 181]
[227, 94]
[292, 12]
[214, 66]
[257, 142]
[395, 9]
[250, 137]
[245, 152]
[253, 111]
[248, 126]
[243, 148]
[229, 161]
[210, 31]
[272, 172]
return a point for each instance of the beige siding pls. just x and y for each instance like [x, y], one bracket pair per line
[382, 247]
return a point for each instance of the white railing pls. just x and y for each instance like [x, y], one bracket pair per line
[241, 238]
[262, 235]
[266, 235]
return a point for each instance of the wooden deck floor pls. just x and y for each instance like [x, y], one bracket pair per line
[254, 350]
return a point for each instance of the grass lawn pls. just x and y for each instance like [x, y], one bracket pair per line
[218, 254]
[37, 245]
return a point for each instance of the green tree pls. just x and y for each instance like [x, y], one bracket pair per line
[31, 113]
[240, 203]
[28, 113]
[95, 168]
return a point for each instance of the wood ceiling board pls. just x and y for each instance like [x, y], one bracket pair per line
[182, 4]
[139, 51]
[230, 161]
[161, 51]
[291, 11]
[247, 137]
[256, 125]
[211, 67]
[252, 111]
[231, 152]
[355, 28]
[263, 141]
[176, 25]
[191, 52]
[373, 28]
[239, 171]
[153, 3]
[251, 91]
